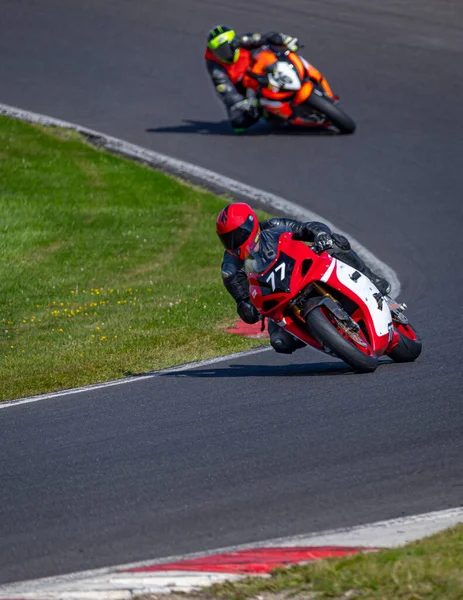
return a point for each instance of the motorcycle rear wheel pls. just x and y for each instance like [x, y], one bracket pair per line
[409, 347]
[332, 112]
[320, 327]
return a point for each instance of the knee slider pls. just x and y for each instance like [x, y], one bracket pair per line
[228, 270]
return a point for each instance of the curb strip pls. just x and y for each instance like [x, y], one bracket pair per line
[193, 571]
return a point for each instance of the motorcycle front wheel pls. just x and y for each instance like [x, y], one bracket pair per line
[322, 326]
[331, 111]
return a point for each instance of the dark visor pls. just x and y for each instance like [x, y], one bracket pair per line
[234, 239]
[225, 52]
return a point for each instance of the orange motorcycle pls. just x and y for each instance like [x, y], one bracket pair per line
[289, 89]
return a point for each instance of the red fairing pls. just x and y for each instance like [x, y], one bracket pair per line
[308, 267]
[298, 251]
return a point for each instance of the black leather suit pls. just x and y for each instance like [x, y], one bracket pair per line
[236, 281]
[232, 93]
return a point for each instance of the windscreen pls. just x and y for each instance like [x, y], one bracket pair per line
[265, 252]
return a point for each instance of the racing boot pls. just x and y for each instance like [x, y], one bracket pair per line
[243, 114]
[282, 341]
[352, 259]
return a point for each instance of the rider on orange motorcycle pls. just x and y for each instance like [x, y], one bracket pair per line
[239, 231]
[228, 57]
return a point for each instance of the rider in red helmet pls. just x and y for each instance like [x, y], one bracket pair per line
[239, 229]
[228, 57]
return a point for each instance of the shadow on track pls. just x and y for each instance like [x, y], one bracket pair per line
[320, 369]
[307, 370]
[223, 128]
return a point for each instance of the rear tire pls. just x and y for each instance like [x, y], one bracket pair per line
[407, 350]
[325, 332]
[332, 112]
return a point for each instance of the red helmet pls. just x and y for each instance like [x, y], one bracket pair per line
[237, 228]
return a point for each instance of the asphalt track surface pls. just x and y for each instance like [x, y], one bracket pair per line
[264, 446]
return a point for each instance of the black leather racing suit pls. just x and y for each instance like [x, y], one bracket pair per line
[236, 281]
[241, 112]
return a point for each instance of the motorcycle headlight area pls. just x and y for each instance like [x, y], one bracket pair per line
[284, 76]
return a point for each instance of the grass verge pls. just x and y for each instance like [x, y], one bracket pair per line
[430, 569]
[107, 268]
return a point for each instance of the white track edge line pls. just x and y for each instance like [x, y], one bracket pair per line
[134, 378]
[207, 178]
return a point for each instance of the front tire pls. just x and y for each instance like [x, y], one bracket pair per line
[332, 112]
[409, 347]
[326, 333]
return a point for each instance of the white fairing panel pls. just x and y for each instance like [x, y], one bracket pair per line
[270, 103]
[329, 270]
[284, 77]
[365, 289]
[304, 62]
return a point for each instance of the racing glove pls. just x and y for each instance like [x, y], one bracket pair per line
[323, 241]
[247, 312]
[292, 43]
[281, 39]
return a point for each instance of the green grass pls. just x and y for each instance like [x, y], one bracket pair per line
[107, 267]
[431, 568]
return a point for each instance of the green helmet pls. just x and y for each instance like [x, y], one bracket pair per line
[221, 41]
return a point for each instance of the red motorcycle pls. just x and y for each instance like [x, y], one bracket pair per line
[327, 304]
